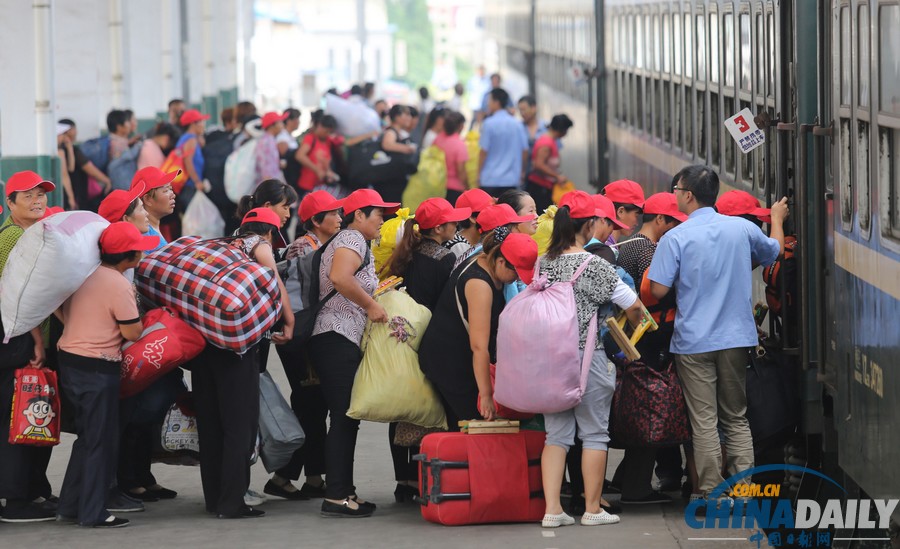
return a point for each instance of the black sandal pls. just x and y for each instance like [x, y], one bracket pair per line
[279, 491]
[343, 510]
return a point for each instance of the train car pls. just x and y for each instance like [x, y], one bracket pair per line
[821, 79]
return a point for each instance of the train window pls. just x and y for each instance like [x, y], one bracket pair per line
[666, 119]
[888, 174]
[676, 27]
[745, 159]
[728, 48]
[770, 35]
[652, 60]
[700, 124]
[654, 40]
[713, 48]
[714, 125]
[666, 44]
[701, 48]
[846, 185]
[688, 120]
[760, 56]
[863, 206]
[846, 78]
[639, 42]
[659, 108]
[688, 46]
[676, 114]
[746, 54]
[864, 57]
[889, 61]
[729, 143]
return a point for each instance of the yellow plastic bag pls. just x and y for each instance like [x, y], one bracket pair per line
[544, 230]
[560, 189]
[389, 386]
[474, 151]
[429, 181]
[391, 231]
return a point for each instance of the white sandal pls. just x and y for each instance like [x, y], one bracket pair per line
[555, 521]
[597, 519]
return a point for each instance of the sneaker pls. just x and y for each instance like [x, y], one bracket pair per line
[597, 519]
[252, 499]
[555, 521]
[111, 522]
[117, 502]
[31, 512]
[652, 497]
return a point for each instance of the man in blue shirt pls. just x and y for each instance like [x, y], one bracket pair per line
[708, 259]
[504, 147]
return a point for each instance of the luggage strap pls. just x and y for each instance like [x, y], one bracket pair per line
[437, 467]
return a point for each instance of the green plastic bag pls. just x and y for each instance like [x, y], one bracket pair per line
[429, 181]
[389, 385]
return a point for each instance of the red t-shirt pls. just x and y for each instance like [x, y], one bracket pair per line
[455, 151]
[320, 154]
[536, 176]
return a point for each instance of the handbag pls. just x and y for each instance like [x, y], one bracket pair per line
[408, 434]
[175, 162]
[772, 405]
[648, 407]
[280, 432]
[179, 428]
[34, 420]
[166, 343]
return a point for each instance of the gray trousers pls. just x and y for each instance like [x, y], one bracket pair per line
[714, 386]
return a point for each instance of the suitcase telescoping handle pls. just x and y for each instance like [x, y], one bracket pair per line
[437, 467]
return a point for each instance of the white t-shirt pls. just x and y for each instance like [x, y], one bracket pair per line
[285, 137]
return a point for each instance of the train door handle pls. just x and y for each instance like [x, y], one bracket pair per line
[823, 131]
[786, 127]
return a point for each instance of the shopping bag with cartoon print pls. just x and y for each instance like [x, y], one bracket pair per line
[35, 408]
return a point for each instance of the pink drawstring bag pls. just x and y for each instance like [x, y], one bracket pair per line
[539, 367]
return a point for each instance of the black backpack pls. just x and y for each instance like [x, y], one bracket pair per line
[305, 320]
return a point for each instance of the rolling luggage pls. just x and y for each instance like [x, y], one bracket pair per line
[483, 478]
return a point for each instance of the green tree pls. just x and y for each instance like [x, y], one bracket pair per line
[410, 19]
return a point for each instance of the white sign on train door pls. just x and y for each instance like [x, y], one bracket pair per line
[744, 131]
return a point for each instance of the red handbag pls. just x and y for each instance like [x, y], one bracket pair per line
[502, 411]
[35, 408]
[648, 407]
[166, 343]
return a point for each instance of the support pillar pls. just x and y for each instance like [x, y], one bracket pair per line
[27, 124]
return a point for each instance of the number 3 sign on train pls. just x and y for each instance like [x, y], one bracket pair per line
[743, 129]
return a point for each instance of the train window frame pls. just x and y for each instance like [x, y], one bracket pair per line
[894, 113]
[862, 143]
[888, 132]
[700, 46]
[771, 44]
[728, 49]
[713, 28]
[689, 41]
[746, 53]
[864, 57]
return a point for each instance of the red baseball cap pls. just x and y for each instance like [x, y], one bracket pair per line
[522, 251]
[363, 198]
[272, 117]
[605, 208]
[190, 116]
[25, 181]
[742, 203]
[114, 205]
[625, 191]
[123, 237]
[437, 211]
[581, 205]
[476, 200]
[153, 178]
[498, 215]
[52, 210]
[317, 202]
[664, 204]
[265, 215]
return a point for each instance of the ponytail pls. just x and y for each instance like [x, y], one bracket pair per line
[244, 205]
[403, 251]
[565, 230]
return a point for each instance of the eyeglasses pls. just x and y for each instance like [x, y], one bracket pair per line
[677, 188]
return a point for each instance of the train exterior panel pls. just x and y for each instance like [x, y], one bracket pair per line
[822, 80]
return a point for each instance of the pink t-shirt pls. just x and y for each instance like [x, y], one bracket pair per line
[151, 155]
[455, 151]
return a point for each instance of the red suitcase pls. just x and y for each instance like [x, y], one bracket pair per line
[476, 479]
